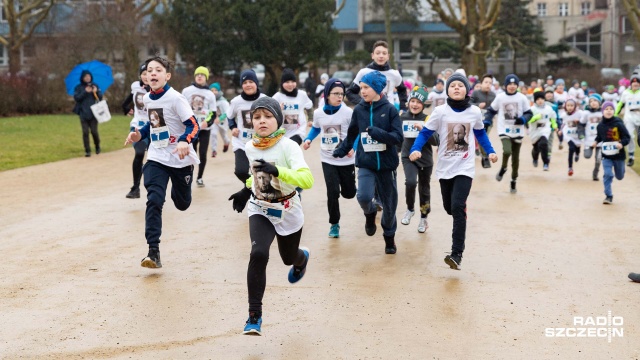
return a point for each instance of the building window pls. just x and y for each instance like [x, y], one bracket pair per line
[406, 52]
[585, 8]
[348, 46]
[563, 9]
[3, 16]
[4, 58]
[588, 41]
[542, 9]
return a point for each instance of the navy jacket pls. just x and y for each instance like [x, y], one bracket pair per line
[380, 119]
[85, 99]
[613, 129]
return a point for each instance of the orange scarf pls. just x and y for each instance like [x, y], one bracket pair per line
[266, 142]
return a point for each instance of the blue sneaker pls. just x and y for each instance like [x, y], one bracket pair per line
[296, 273]
[334, 232]
[253, 325]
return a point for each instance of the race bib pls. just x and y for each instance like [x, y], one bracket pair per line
[610, 148]
[329, 142]
[409, 128]
[371, 145]
[201, 118]
[247, 134]
[160, 137]
[514, 130]
[572, 131]
[272, 211]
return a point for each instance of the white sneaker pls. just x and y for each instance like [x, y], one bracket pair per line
[200, 183]
[423, 226]
[407, 217]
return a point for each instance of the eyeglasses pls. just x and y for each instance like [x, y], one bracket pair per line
[337, 94]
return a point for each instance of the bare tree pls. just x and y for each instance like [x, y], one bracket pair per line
[633, 14]
[23, 17]
[473, 20]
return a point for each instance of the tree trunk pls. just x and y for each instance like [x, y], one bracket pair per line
[514, 61]
[15, 63]
[131, 60]
[387, 28]
[433, 59]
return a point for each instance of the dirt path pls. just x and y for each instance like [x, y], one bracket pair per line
[72, 287]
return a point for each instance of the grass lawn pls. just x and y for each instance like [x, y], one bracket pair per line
[39, 139]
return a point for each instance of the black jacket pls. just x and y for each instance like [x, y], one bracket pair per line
[380, 119]
[85, 99]
[427, 152]
[613, 129]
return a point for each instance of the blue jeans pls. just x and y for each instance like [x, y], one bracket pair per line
[385, 183]
[611, 166]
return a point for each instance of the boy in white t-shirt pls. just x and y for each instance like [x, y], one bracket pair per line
[541, 124]
[458, 124]
[220, 125]
[331, 122]
[171, 128]
[294, 104]
[275, 210]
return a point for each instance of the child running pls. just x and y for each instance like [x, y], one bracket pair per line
[437, 96]
[203, 103]
[377, 122]
[239, 118]
[277, 167]
[331, 122]
[294, 104]
[513, 112]
[140, 118]
[541, 124]
[417, 173]
[220, 125]
[570, 126]
[171, 128]
[612, 137]
[454, 123]
[591, 117]
[630, 101]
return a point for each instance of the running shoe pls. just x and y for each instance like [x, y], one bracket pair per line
[389, 245]
[297, 272]
[545, 167]
[513, 187]
[334, 232]
[225, 148]
[253, 326]
[406, 219]
[454, 260]
[134, 193]
[214, 153]
[608, 200]
[570, 172]
[535, 163]
[152, 261]
[423, 225]
[630, 162]
[370, 224]
[501, 174]
[634, 277]
[200, 183]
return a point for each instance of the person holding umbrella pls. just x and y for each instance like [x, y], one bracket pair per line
[86, 94]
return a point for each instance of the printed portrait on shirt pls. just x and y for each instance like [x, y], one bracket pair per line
[458, 140]
[246, 119]
[197, 103]
[594, 119]
[267, 186]
[138, 101]
[439, 101]
[291, 112]
[510, 111]
[156, 118]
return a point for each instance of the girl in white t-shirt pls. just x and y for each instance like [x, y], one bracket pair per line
[458, 124]
[275, 209]
[331, 122]
[171, 128]
[134, 105]
[570, 128]
[294, 104]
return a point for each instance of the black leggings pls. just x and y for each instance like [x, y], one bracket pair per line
[574, 150]
[541, 148]
[242, 165]
[90, 126]
[262, 233]
[339, 180]
[140, 147]
[455, 192]
[420, 177]
[203, 140]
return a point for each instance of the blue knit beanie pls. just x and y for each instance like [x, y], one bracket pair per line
[376, 80]
[596, 97]
[215, 85]
[249, 74]
[510, 79]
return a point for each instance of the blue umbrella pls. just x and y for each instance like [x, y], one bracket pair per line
[102, 75]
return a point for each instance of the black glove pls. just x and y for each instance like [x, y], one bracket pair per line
[486, 125]
[520, 121]
[240, 199]
[340, 153]
[261, 165]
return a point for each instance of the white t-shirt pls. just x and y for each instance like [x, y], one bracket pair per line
[286, 153]
[591, 121]
[541, 128]
[614, 98]
[222, 106]
[456, 153]
[570, 126]
[437, 99]
[202, 102]
[631, 107]
[333, 130]
[140, 116]
[240, 110]
[394, 79]
[293, 110]
[509, 108]
[560, 98]
[166, 116]
[577, 94]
